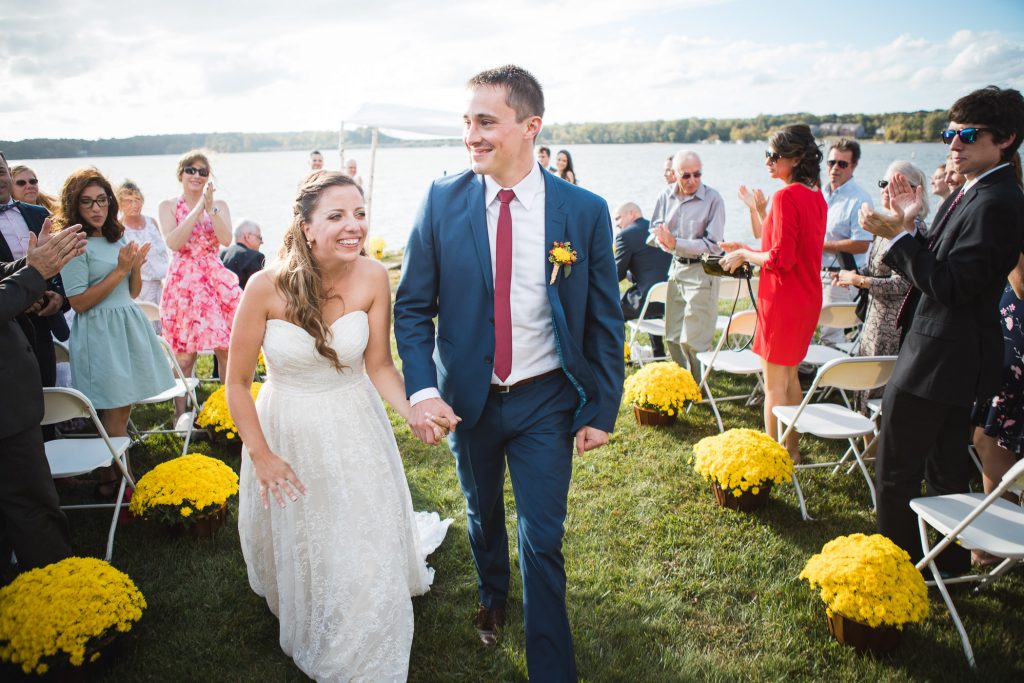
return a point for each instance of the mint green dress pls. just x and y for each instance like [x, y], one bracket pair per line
[116, 359]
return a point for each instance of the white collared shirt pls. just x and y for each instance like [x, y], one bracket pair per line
[15, 231]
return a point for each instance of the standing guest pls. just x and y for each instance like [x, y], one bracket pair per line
[789, 295]
[644, 265]
[144, 230]
[316, 160]
[939, 187]
[670, 172]
[201, 295]
[116, 359]
[243, 258]
[41, 323]
[952, 353]
[563, 163]
[352, 171]
[846, 242]
[26, 189]
[886, 288]
[528, 353]
[688, 222]
[954, 179]
[544, 159]
[31, 521]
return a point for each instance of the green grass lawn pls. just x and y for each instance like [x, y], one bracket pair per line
[662, 584]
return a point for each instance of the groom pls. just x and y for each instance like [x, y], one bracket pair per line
[527, 355]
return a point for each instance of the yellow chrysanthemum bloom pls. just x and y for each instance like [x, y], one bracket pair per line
[561, 255]
[65, 610]
[664, 387]
[215, 413]
[182, 487]
[741, 460]
[868, 579]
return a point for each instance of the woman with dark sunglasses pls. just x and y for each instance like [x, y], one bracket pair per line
[789, 294]
[26, 189]
[200, 295]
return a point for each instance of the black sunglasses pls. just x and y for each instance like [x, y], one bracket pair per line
[687, 176]
[23, 182]
[841, 163]
[883, 184]
[967, 135]
[772, 156]
[192, 170]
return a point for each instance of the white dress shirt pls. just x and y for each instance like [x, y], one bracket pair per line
[15, 231]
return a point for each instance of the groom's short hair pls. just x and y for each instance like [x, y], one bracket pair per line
[522, 91]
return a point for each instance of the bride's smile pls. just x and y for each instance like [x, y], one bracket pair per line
[337, 229]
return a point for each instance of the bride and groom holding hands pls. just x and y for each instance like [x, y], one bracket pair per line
[524, 365]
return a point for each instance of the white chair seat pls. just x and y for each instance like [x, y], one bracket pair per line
[743, 362]
[874, 406]
[180, 389]
[826, 420]
[999, 530]
[819, 354]
[655, 326]
[75, 457]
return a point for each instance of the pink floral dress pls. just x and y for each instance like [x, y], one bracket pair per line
[200, 295]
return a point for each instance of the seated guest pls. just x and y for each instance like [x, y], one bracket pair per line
[939, 187]
[116, 359]
[644, 265]
[243, 258]
[144, 230]
[26, 189]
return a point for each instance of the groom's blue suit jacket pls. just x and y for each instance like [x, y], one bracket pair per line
[447, 274]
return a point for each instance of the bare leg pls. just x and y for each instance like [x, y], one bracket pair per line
[115, 422]
[187, 361]
[222, 361]
[781, 388]
[995, 461]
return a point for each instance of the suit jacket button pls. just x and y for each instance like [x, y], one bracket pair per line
[488, 359]
[490, 320]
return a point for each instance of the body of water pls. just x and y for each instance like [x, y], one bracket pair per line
[261, 185]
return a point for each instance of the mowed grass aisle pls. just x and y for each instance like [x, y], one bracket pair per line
[662, 584]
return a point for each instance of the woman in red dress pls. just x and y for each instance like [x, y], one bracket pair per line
[789, 296]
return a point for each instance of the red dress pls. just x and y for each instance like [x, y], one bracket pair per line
[789, 293]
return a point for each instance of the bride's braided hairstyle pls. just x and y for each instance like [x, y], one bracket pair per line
[299, 276]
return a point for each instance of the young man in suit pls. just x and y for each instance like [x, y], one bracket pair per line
[645, 266]
[527, 355]
[952, 351]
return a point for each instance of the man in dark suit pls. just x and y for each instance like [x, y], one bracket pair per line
[643, 264]
[46, 318]
[527, 352]
[952, 351]
[32, 522]
[243, 258]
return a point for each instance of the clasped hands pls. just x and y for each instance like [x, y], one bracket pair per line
[905, 201]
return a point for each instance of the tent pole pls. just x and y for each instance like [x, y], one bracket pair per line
[341, 144]
[369, 192]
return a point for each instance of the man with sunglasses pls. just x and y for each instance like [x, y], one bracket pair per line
[952, 351]
[688, 222]
[846, 242]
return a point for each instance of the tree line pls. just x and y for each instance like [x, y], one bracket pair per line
[893, 127]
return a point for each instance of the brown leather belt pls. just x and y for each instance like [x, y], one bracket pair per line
[505, 388]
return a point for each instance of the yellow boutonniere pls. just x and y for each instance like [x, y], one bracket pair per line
[561, 255]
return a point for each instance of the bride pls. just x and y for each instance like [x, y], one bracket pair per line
[325, 517]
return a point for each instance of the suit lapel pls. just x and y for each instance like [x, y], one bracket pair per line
[477, 210]
[554, 226]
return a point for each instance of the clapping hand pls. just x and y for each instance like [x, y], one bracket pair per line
[49, 252]
[906, 202]
[664, 237]
[845, 278]
[48, 304]
[755, 201]
[140, 256]
[126, 258]
[208, 195]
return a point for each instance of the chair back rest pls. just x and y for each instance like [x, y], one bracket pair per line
[61, 352]
[839, 315]
[172, 360]
[62, 403]
[655, 295]
[856, 374]
[728, 287]
[1014, 478]
[742, 322]
[151, 310]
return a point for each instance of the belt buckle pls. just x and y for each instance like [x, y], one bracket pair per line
[501, 388]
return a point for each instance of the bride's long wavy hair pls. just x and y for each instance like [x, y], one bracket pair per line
[299, 276]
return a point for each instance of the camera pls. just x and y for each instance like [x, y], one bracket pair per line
[712, 265]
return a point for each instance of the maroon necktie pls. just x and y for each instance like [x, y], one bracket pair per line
[936, 233]
[503, 288]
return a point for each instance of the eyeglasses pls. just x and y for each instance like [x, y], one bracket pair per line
[687, 176]
[841, 163]
[100, 201]
[771, 156]
[192, 170]
[23, 182]
[966, 135]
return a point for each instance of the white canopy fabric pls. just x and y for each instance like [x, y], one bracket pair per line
[407, 119]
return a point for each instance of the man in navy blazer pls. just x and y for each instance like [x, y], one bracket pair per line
[643, 264]
[953, 349]
[527, 355]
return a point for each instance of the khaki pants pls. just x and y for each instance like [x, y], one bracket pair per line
[691, 309]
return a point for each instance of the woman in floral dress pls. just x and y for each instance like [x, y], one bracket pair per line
[200, 295]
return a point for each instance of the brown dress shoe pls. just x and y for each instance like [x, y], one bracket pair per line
[488, 622]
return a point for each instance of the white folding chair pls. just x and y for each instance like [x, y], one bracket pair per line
[733, 362]
[151, 310]
[184, 387]
[833, 421]
[78, 456]
[655, 326]
[843, 315]
[976, 522]
[61, 351]
[728, 290]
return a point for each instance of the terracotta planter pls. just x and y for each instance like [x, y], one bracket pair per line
[878, 640]
[746, 501]
[204, 527]
[652, 418]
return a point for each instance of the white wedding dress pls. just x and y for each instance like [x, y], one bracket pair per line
[339, 566]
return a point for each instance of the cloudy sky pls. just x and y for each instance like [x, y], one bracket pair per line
[121, 68]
